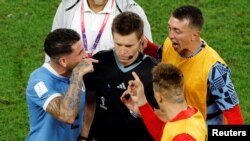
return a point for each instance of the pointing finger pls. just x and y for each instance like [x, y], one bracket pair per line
[136, 77]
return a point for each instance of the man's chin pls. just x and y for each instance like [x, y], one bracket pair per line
[176, 49]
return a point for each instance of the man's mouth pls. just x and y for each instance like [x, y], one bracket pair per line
[175, 45]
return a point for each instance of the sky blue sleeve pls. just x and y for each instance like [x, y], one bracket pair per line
[221, 88]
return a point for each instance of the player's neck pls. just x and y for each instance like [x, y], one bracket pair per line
[170, 112]
[96, 7]
[59, 69]
[192, 48]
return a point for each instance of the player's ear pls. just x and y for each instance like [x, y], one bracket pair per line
[62, 62]
[141, 47]
[195, 35]
[142, 40]
[158, 97]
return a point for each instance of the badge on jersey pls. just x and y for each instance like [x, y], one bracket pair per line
[40, 88]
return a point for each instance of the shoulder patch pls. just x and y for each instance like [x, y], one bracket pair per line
[40, 88]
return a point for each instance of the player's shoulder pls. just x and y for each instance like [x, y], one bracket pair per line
[41, 71]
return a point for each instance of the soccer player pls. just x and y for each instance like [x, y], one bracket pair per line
[175, 121]
[55, 94]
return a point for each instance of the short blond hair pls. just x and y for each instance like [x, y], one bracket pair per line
[168, 80]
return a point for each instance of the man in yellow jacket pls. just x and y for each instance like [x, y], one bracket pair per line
[208, 84]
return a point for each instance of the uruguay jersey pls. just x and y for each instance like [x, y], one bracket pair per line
[43, 86]
[113, 121]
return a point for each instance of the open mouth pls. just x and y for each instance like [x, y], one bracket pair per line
[175, 45]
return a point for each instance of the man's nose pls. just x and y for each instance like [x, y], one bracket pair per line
[123, 50]
[171, 34]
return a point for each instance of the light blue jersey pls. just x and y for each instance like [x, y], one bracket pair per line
[44, 85]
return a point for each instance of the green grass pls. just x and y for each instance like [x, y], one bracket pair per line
[23, 27]
[25, 23]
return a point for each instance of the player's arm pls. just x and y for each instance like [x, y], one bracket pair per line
[150, 48]
[222, 89]
[137, 102]
[234, 115]
[65, 108]
[153, 123]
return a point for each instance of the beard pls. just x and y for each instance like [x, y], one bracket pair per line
[100, 2]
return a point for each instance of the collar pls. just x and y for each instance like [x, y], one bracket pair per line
[138, 59]
[184, 114]
[50, 69]
[203, 44]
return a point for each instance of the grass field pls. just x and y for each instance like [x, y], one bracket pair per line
[25, 23]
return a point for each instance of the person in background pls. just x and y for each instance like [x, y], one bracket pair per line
[55, 94]
[208, 84]
[112, 120]
[92, 19]
[177, 121]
